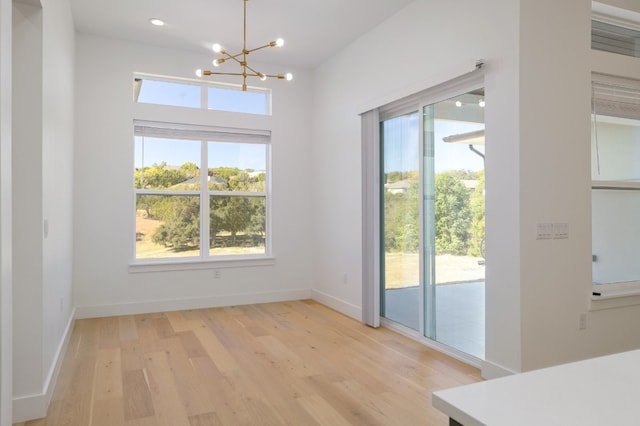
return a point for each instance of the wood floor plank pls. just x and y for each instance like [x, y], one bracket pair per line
[191, 344]
[287, 363]
[108, 375]
[137, 400]
[166, 400]
[207, 419]
[132, 354]
[178, 321]
[127, 328]
[163, 328]
[109, 333]
[322, 411]
[107, 412]
[73, 405]
[227, 401]
[187, 383]
[144, 421]
[216, 350]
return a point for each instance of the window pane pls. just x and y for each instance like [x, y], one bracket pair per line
[615, 232]
[167, 226]
[235, 100]
[166, 164]
[237, 167]
[167, 93]
[400, 219]
[615, 148]
[237, 225]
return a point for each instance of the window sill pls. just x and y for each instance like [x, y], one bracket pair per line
[615, 295]
[616, 184]
[164, 265]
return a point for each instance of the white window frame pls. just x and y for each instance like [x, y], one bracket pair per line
[205, 134]
[612, 95]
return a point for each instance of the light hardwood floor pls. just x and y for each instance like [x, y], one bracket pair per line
[290, 363]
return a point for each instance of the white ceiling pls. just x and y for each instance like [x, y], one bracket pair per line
[313, 30]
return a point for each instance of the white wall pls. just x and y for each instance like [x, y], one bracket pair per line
[43, 46]
[555, 164]
[104, 216]
[57, 179]
[27, 199]
[537, 168]
[6, 296]
[422, 45]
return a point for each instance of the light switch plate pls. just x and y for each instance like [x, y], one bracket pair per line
[545, 231]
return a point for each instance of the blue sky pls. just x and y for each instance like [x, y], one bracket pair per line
[177, 152]
[188, 95]
[403, 154]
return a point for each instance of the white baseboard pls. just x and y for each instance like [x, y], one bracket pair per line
[32, 407]
[339, 305]
[97, 311]
[490, 370]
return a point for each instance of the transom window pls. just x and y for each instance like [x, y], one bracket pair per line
[200, 191]
[198, 94]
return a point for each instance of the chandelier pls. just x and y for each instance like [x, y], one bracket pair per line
[241, 59]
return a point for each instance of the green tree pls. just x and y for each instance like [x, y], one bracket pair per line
[158, 176]
[190, 170]
[180, 215]
[452, 214]
[257, 224]
[476, 228]
[234, 215]
[402, 231]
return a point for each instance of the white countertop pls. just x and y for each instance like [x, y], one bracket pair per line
[599, 391]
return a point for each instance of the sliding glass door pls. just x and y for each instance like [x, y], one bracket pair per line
[432, 220]
[400, 137]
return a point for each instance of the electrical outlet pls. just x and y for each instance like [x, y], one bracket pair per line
[583, 321]
[345, 278]
[216, 274]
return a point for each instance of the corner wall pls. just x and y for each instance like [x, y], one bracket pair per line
[27, 201]
[43, 63]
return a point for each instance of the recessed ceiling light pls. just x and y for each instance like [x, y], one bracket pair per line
[157, 22]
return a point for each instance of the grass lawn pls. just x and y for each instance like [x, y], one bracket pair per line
[147, 249]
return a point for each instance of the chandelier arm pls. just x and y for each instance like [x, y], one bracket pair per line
[224, 73]
[260, 48]
[234, 57]
[257, 74]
